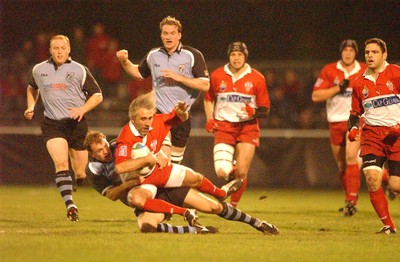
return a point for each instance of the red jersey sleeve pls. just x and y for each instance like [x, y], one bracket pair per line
[325, 80]
[125, 141]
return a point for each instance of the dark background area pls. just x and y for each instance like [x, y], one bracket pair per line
[273, 30]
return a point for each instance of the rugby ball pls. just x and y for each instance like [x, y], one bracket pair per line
[140, 150]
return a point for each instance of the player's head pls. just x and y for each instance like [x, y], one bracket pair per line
[141, 112]
[59, 49]
[96, 144]
[237, 54]
[375, 53]
[348, 51]
[171, 33]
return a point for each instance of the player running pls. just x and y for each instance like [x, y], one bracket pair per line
[334, 86]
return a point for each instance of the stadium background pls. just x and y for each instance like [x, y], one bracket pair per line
[302, 35]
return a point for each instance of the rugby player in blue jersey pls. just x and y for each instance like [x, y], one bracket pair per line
[68, 91]
[179, 73]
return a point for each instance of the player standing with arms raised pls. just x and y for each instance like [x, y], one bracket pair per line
[237, 97]
[376, 96]
[178, 72]
[68, 91]
[334, 86]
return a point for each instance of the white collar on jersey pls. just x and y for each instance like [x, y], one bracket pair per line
[245, 72]
[136, 133]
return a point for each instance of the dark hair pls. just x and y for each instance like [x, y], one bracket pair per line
[379, 42]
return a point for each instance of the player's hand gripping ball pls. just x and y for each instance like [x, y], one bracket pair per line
[138, 150]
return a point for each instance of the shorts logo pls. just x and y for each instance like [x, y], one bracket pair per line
[222, 86]
[122, 151]
[70, 76]
[365, 91]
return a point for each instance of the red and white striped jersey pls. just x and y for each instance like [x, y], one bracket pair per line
[338, 107]
[378, 99]
[230, 94]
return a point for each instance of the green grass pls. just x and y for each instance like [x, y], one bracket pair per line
[33, 227]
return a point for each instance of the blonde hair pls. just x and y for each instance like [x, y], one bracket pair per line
[60, 37]
[171, 21]
[147, 101]
[93, 137]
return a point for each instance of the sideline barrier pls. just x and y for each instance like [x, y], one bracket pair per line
[286, 157]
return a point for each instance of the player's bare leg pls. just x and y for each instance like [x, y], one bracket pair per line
[79, 159]
[244, 155]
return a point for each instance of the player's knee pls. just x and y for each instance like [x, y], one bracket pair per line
[373, 177]
[148, 228]
[223, 158]
[80, 175]
[351, 158]
[216, 208]
[198, 179]
[136, 200]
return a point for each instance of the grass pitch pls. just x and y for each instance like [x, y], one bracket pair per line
[34, 227]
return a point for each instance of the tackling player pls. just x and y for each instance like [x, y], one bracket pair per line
[376, 96]
[237, 97]
[334, 86]
[108, 184]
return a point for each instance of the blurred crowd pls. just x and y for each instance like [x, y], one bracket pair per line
[289, 88]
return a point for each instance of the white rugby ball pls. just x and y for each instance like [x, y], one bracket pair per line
[140, 150]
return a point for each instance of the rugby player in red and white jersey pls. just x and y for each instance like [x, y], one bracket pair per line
[238, 95]
[334, 86]
[151, 129]
[376, 96]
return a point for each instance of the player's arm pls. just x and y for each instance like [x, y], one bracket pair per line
[209, 109]
[209, 106]
[32, 95]
[131, 165]
[167, 145]
[90, 104]
[131, 69]
[201, 84]
[116, 192]
[353, 124]
[259, 112]
[321, 95]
